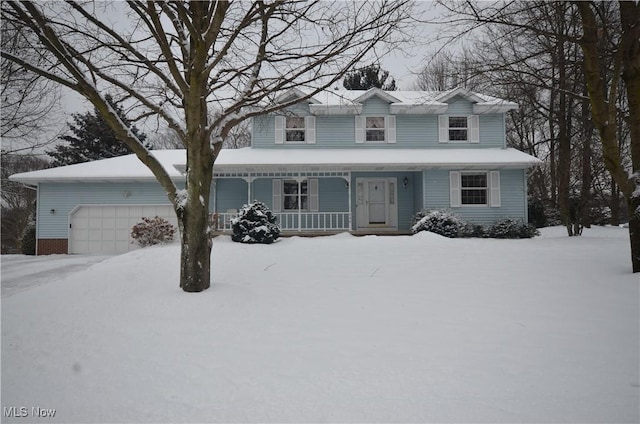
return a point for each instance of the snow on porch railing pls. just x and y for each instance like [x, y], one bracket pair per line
[292, 221]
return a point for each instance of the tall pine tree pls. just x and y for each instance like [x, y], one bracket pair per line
[92, 139]
[369, 77]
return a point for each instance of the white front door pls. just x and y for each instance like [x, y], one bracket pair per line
[376, 203]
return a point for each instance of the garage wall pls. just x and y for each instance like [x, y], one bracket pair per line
[62, 198]
[107, 229]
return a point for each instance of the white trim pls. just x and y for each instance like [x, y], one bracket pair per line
[455, 197]
[314, 194]
[279, 129]
[348, 109]
[276, 195]
[384, 130]
[359, 129]
[310, 129]
[473, 129]
[287, 129]
[418, 109]
[494, 189]
[390, 129]
[375, 91]
[443, 129]
[362, 203]
[77, 207]
[460, 91]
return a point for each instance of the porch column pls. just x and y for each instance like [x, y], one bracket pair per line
[249, 181]
[348, 180]
[300, 179]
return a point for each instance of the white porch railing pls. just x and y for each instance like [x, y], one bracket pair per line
[293, 221]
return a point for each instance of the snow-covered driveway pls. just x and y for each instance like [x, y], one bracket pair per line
[22, 272]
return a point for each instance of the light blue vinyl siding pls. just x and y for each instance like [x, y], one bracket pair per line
[64, 197]
[418, 191]
[231, 193]
[512, 196]
[459, 106]
[412, 131]
[335, 131]
[333, 195]
[375, 106]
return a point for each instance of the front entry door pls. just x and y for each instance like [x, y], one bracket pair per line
[377, 199]
[377, 203]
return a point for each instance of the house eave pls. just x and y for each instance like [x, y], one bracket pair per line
[418, 109]
[487, 108]
[347, 109]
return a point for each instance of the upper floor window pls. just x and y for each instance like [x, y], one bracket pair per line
[295, 129]
[458, 129]
[374, 129]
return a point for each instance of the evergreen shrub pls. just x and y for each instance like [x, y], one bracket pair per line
[151, 231]
[28, 244]
[255, 223]
[512, 229]
[440, 222]
[447, 224]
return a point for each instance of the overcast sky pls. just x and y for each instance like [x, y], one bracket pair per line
[401, 64]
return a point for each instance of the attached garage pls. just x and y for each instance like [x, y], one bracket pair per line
[106, 229]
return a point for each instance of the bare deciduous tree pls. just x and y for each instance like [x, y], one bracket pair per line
[28, 100]
[178, 61]
[545, 44]
[18, 201]
[603, 95]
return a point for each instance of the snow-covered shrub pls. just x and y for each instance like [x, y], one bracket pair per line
[255, 223]
[512, 229]
[473, 230]
[440, 222]
[152, 231]
[28, 242]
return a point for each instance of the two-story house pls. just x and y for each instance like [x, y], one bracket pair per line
[360, 161]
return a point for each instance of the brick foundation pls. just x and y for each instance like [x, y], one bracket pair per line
[53, 246]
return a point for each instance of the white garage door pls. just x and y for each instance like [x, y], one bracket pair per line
[107, 229]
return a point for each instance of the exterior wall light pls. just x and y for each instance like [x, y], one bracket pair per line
[405, 182]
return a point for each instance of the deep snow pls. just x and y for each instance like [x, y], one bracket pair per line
[337, 329]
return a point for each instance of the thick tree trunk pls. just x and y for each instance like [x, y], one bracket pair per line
[564, 145]
[630, 19]
[603, 106]
[195, 230]
[634, 231]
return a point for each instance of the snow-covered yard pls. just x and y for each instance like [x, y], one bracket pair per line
[336, 329]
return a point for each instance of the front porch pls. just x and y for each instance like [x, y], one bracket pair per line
[321, 222]
[322, 202]
[311, 224]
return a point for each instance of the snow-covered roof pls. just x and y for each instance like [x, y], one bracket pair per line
[403, 101]
[291, 160]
